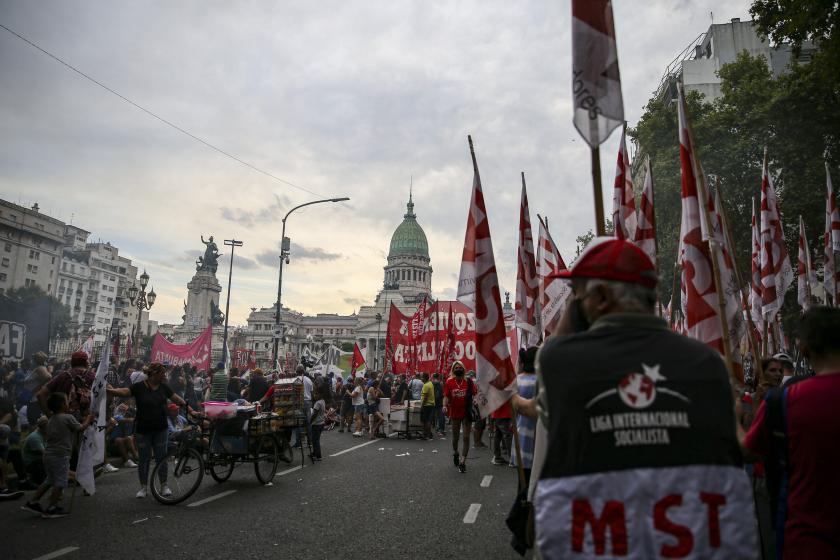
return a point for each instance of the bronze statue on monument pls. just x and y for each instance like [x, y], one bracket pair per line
[210, 260]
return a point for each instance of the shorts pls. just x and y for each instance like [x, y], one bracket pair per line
[346, 408]
[57, 469]
[427, 414]
[359, 408]
[372, 408]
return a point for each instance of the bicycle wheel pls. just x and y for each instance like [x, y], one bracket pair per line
[265, 458]
[221, 467]
[181, 473]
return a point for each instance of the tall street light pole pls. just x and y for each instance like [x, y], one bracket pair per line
[233, 244]
[142, 301]
[285, 245]
[378, 330]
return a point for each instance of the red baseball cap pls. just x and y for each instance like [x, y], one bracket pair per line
[80, 355]
[609, 258]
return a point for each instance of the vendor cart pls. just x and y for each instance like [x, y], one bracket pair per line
[287, 403]
[237, 434]
[405, 420]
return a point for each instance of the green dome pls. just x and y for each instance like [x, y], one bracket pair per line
[409, 238]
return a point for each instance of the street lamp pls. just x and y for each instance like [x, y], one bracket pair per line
[141, 300]
[285, 246]
[233, 244]
[378, 330]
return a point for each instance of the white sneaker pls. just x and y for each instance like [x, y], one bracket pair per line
[357, 434]
[165, 491]
[110, 468]
[130, 464]
[142, 493]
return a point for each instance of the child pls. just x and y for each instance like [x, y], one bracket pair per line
[61, 436]
[319, 411]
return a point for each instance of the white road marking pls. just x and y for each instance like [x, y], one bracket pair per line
[211, 498]
[139, 521]
[485, 482]
[57, 553]
[353, 448]
[472, 513]
[287, 471]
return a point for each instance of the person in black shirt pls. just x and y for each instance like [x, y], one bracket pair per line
[257, 385]
[150, 428]
[401, 394]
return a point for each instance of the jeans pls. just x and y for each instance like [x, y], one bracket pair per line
[440, 418]
[148, 444]
[502, 436]
[316, 439]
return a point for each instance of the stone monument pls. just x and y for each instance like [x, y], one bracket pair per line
[203, 291]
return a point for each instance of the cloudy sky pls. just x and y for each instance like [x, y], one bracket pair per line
[338, 98]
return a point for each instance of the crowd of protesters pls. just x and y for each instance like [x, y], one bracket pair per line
[765, 454]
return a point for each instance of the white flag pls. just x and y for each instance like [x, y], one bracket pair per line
[92, 448]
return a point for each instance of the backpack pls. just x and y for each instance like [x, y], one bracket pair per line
[79, 397]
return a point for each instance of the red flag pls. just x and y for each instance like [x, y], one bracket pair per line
[806, 277]
[831, 244]
[478, 288]
[128, 347]
[115, 346]
[624, 197]
[596, 83]
[776, 272]
[645, 238]
[358, 363]
[755, 279]
[553, 291]
[701, 306]
[527, 284]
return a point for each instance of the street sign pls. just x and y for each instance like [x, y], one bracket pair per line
[278, 331]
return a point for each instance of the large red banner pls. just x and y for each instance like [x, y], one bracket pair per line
[446, 333]
[196, 353]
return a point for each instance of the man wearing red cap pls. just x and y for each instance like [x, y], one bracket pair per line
[642, 457]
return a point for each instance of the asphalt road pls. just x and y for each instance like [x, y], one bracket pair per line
[390, 498]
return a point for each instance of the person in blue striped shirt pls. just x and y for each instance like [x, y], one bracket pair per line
[526, 419]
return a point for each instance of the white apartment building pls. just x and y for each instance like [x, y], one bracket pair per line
[30, 248]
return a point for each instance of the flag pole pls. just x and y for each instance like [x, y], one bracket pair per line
[744, 299]
[715, 250]
[671, 319]
[600, 228]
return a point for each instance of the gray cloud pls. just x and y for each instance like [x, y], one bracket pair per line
[273, 212]
[355, 301]
[297, 252]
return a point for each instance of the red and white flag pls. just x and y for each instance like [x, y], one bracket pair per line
[701, 307]
[478, 289]
[806, 278]
[624, 197]
[527, 284]
[776, 271]
[596, 82]
[755, 278]
[645, 238]
[357, 365]
[554, 292]
[831, 244]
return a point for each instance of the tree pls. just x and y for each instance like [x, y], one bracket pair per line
[796, 115]
[59, 319]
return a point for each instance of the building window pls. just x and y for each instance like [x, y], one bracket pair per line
[29, 282]
[5, 262]
[8, 247]
[2, 276]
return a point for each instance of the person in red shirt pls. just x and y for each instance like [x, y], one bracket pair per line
[457, 401]
[809, 514]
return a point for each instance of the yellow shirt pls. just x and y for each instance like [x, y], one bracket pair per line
[427, 395]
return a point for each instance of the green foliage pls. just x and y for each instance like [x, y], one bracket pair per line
[797, 116]
[347, 346]
[59, 313]
[798, 21]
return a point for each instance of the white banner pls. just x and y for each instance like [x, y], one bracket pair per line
[92, 449]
